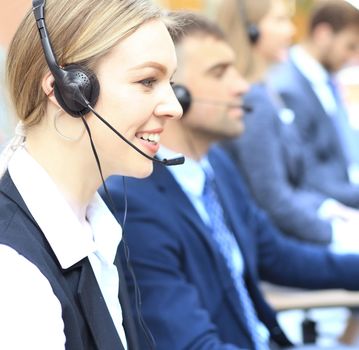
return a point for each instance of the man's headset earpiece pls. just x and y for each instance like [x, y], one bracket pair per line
[252, 29]
[185, 99]
[253, 33]
[73, 83]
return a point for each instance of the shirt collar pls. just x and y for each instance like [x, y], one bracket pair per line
[107, 232]
[193, 184]
[70, 239]
[309, 66]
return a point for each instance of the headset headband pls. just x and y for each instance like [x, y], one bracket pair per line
[75, 86]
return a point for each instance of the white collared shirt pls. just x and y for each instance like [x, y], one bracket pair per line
[30, 313]
[192, 185]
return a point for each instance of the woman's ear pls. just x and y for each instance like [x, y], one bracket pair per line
[47, 84]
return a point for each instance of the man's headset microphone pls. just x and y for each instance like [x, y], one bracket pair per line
[183, 94]
[185, 99]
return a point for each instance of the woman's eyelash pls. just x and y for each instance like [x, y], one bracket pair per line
[148, 82]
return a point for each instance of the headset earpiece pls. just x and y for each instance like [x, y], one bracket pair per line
[183, 96]
[252, 29]
[253, 33]
[74, 86]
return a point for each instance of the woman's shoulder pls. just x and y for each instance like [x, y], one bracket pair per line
[9, 213]
[18, 229]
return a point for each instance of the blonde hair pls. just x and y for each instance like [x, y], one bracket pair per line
[81, 31]
[233, 16]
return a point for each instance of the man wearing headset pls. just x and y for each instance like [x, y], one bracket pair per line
[198, 243]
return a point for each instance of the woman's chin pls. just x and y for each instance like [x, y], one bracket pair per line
[143, 171]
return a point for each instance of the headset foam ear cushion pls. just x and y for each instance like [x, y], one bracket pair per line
[183, 96]
[75, 79]
[253, 33]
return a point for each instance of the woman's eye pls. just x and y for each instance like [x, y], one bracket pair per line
[148, 82]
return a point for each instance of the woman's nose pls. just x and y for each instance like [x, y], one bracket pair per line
[170, 107]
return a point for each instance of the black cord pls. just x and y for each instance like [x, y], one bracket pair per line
[121, 136]
[138, 302]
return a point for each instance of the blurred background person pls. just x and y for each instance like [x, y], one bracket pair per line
[348, 85]
[308, 85]
[4, 104]
[10, 15]
[270, 152]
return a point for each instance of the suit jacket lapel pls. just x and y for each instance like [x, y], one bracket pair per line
[128, 320]
[232, 211]
[167, 184]
[328, 125]
[306, 86]
[95, 310]
[265, 313]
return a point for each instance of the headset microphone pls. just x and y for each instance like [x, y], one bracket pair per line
[168, 162]
[246, 108]
[185, 99]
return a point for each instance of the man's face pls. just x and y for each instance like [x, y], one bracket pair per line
[206, 68]
[340, 49]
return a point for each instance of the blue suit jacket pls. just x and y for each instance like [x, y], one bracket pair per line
[87, 321]
[271, 158]
[188, 297]
[326, 166]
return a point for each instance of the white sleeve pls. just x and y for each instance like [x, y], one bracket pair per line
[30, 313]
[328, 209]
[345, 237]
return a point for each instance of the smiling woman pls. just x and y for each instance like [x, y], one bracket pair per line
[58, 240]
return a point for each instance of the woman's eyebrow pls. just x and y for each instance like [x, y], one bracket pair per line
[151, 64]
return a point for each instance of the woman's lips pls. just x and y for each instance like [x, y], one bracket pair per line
[150, 140]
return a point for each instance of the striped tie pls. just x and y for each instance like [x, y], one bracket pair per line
[230, 250]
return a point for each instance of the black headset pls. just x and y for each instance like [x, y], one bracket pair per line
[185, 99]
[252, 29]
[183, 96]
[75, 86]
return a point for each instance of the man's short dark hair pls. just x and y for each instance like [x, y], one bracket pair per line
[338, 14]
[192, 24]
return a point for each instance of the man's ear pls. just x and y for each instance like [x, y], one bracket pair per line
[47, 85]
[323, 33]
